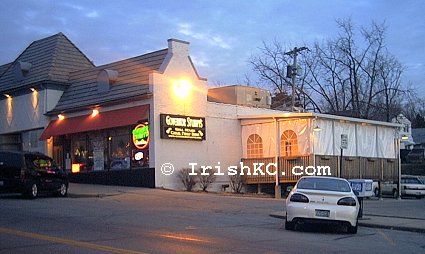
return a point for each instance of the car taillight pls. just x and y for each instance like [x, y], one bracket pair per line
[348, 201]
[297, 197]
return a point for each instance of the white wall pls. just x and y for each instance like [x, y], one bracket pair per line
[24, 112]
[363, 140]
[178, 152]
[223, 145]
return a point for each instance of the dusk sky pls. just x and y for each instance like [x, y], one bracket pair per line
[222, 34]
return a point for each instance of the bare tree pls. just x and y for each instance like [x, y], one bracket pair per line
[205, 180]
[351, 74]
[188, 180]
[237, 181]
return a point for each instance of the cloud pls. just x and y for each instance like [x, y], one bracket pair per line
[200, 61]
[92, 14]
[212, 39]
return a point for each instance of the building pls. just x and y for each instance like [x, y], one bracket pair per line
[133, 121]
[31, 85]
[405, 131]
[319, 144]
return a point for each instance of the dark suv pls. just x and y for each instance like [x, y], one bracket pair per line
[30, 173]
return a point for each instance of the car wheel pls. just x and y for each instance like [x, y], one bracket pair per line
[63, 190]
[395, 193]
[32, 191]
[289, 225]
[376, 192]
[351, 229]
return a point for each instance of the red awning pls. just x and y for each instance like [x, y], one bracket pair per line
[104, 120]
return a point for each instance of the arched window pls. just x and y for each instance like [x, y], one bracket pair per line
[254, 146]
[288, 143]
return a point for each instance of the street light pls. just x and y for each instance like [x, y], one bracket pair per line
[294, 70]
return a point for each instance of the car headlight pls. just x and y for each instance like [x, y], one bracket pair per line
[297, 197]
[348, 201]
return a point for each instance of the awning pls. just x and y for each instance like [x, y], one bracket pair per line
[104, 120]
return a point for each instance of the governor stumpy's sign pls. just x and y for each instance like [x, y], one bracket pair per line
[182, 127]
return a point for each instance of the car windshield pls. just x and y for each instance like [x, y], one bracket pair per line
[327, 184]
[411, 181]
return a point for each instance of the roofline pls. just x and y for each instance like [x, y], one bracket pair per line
[75, 46]
[103, 104]
[106, 65]
[290, 115]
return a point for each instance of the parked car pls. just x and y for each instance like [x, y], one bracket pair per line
[412, 186]
[31, 173]
[319, 199]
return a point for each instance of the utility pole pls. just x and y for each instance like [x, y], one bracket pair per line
[293, 71]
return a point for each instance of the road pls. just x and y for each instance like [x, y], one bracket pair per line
[160, 221]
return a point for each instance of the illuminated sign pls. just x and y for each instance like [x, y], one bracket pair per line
[140, 135]
[182, 127]
[138, 156]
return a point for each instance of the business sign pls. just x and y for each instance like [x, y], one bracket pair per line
[182, 127]
[344, 141]
[140, 135]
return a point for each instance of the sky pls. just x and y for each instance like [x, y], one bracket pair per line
[223, 34]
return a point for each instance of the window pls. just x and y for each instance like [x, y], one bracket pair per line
[119, 148]
[81, 153]
[254, 146]
[323, 184]
[406, 127]
[288, 143]
[30, 141]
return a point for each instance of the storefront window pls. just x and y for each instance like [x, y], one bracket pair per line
[81, 154]
[120, 152]
[110, 149]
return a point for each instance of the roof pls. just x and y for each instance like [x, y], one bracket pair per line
[4, 67]
[132, 81]
[288, 115]
[51, 59]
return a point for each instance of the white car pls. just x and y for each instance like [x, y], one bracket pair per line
[411, 186]
[322, 200]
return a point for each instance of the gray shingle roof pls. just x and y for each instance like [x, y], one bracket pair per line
[4, 67]
[132, 81]
[52, 59]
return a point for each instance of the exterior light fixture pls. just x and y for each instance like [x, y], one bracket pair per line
[182, 88]
[94, 113]
[404, 137]
[317, 128]
[61, 117]
[33, 89]
[7, 95]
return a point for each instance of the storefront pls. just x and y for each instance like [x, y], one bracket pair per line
[94, 144]
[121, 122]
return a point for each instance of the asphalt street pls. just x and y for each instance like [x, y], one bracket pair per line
[133, 220]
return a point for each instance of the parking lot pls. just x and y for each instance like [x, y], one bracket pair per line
[110, 219]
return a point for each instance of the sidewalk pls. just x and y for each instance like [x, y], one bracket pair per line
[77, 190]
[381, 221]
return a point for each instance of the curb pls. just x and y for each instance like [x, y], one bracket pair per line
[370, 225]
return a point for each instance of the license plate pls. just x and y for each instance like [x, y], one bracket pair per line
[322, 213]
[1, 183]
